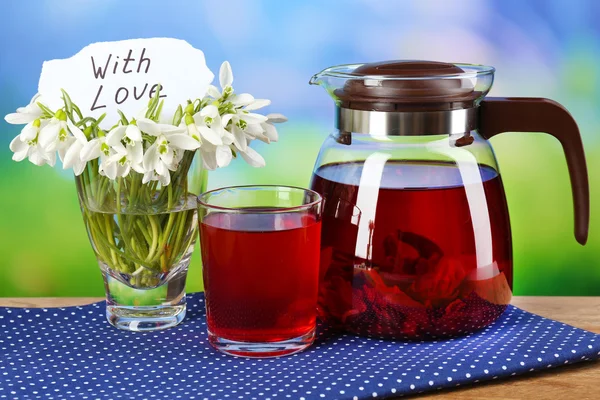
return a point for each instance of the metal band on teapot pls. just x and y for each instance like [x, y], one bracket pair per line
[417, 123]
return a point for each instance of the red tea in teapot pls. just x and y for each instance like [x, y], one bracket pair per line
[428, 256]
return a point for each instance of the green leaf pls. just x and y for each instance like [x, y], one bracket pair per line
[78, 111]
[97, 123]
[153, 103]
[68, 103]
[151, 107]
[159, 110]
[148, 138]
[123, 117]
[157, 93]
[178, 116]
[85, 121]
[199, 106]
[45, 109]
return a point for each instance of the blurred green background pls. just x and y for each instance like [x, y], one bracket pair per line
[544, 48]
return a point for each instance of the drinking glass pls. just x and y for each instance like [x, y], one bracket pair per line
[260, 254]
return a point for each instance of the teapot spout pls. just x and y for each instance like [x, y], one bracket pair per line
[316, 79]
[334, 78]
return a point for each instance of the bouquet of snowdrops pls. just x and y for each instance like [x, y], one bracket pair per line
[221, 125]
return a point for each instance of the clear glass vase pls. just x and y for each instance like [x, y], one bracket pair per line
[143, 235]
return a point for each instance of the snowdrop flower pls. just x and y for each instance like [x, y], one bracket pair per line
[26, 114]
[243, 123]
[99, 148]
[134, 150]
[72, 156]
[125, 161]
[32, 129]
[130, 133]
[214, 157]
[156, 129]
[218, 156]
[32, 150]
[164, 155]
[208, 156]
[174, 135]
[158, 160]
[269, 132]
[54, 136]
[204, 124]
[252, 157]
[240, 122]
[225, 80]
[226, 92]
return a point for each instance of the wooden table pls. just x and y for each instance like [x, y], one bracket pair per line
[575, 382]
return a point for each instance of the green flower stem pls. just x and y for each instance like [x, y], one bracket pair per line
[163, 239]
[144, 231]
[139, 230]
[179, 233]
[118, 202]
[153, 224]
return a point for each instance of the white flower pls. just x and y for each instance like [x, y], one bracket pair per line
[176, 136]
[164, 155]
[226, 92]
[98, 147]
[214, 157]
[156, 129]
[25, 114]
[130, 133]
[32, 150]
[242, 123]
[252, 157]
[54, 136]
[225, 80]
[204, 124]
[158, 160]
[269, 133]
[127, 160]
[239, 124]
[32, 129]
[133, 155]
[72, 156]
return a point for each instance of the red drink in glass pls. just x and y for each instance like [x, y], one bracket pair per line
[261, 272]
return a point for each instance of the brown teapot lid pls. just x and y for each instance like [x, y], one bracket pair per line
[408, 86]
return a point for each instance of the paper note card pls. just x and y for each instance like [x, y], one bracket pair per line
[107, 76]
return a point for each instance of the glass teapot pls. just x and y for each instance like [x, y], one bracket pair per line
[416, 240]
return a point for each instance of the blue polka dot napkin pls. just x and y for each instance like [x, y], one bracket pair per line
[73, 353]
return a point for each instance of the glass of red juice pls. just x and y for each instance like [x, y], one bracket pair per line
[260, 255]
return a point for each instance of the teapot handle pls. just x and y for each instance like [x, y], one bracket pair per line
[499, 115]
